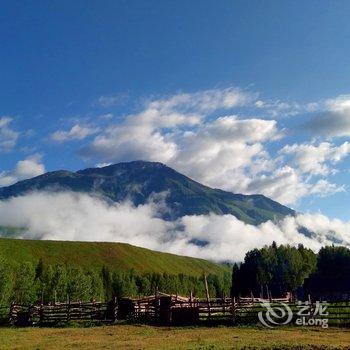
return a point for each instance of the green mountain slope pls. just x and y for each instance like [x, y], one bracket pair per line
[139, 181]
[95, 255]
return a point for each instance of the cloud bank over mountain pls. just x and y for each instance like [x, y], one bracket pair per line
[228, 138]
[81, 217]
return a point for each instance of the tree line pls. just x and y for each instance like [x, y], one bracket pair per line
[275, 270]
[269, 271]
[28, 283]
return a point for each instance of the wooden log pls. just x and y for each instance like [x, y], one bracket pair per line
[68, 310]
[115, 309]
[233, 309]
[207, 293]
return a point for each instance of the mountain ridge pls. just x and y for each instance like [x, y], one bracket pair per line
[140, 180]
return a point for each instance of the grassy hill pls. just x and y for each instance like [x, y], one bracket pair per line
[94, 255]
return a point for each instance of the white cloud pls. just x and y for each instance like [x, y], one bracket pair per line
[335, 120]
[247, 130]
[106, 116]
[156, 133]
[24, 169]
[280, 108]
[218, 153]
[102, 165]
[284, 185]
[142, 136]
[236, 237]
[228, 152]
[287, 185]
[126, 142]
[77, 132]
[8, 137]
[205, 101]
[315, 158]
[80, 217]
[112, 100]
[323, 188]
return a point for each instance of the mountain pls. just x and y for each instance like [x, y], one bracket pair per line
[140, 181]
[115, 256]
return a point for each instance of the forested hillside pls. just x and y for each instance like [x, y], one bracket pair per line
[34, 271]
[31, 271]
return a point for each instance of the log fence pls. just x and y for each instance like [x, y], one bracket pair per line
[166, 309]
[60, 313]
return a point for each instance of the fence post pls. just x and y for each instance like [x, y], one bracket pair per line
[207, 294]
[98, 311]
[115, 309]
[224, 303]
[41, 314]
[233, 301]
[267, 292]
[93, 308]
[11, 314]
[80, 309]
[310, 305]
[68, 308]
[252, 297]
[157, 305]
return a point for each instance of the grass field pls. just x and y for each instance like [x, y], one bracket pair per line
[117, 256]
[147, 337]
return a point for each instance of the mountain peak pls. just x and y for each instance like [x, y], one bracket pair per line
[140, 180]
[136, 165]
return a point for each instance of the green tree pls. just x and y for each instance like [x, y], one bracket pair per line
[25, 288]
[7, 277]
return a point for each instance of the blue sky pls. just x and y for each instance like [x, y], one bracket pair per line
[249, 96]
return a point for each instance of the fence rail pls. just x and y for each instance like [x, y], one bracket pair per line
[167, 310]
[23, 315]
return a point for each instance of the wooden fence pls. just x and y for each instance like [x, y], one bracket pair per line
[60, 313]
[176, 310]
[166, 309]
